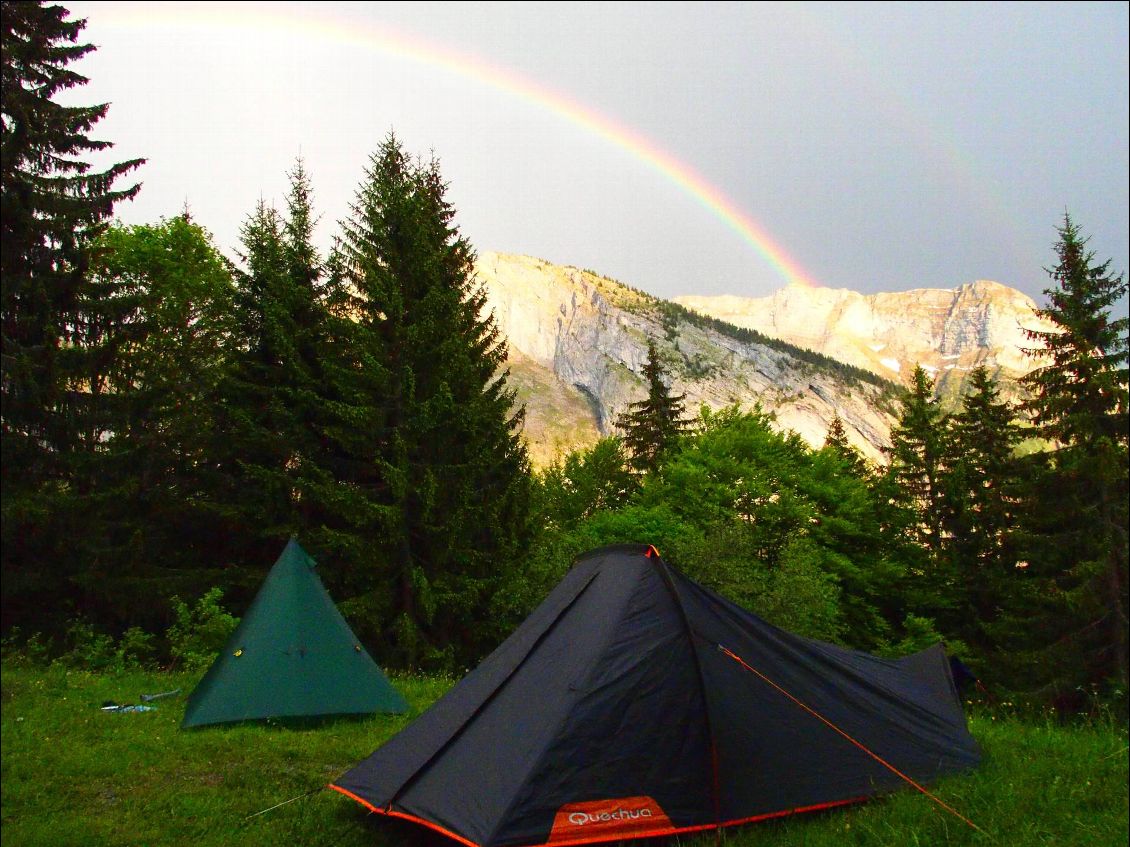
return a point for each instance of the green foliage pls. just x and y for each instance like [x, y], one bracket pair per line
[34, 650]
[157, 318]
[53, 207]
[82, 647]
[837, 441]
[199, 631]
[136, 648]
[87, 648]
[798, 593]
[787, 532]
[918, 460]
[795, 507]
[920, 632]
[583, 483]
[982, 493]
[1081, 397]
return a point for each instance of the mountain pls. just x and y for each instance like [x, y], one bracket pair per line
[948, 331]
[578, 344]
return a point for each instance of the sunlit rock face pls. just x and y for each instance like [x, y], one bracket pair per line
[578, 344]
[947, 331]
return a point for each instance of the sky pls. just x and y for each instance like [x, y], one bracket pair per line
[682, 148]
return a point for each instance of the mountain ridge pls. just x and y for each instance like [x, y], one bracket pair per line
[947, 331]
[578, 340]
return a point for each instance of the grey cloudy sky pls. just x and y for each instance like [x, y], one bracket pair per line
[681, 148]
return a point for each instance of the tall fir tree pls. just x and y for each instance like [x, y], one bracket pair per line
[52, 207]
[915, 482]
[275, 389]
[837, 441]
[918, 458]
[983, 504]
[653, 425]
[1079, 402]
[438, 470]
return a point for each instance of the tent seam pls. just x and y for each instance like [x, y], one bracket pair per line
[552, 738]
[462, 728]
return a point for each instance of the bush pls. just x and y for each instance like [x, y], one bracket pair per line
[919, 633]
[200, 632]
[87, 648]
[136, 648]
[34, 650]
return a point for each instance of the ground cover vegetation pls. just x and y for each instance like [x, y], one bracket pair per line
[170, 417]
[74, 775]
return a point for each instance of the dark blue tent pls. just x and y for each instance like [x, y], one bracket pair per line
[634, 702]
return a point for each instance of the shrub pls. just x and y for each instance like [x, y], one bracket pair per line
[34, 650]
[136, 648]
[199, 632]
[87, 648]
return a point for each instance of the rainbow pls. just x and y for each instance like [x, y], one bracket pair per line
[386, 40]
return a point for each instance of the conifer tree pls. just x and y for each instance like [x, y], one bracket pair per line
[276, 388]
[917, 458]
[982, 493]
[1079, 401]
[52, 206]
[837, 441]
[653, 425]
[432, 456]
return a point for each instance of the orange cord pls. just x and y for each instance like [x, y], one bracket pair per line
[858, 744]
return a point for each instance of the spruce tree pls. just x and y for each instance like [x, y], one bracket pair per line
[982, 493]
[915, 482]
[275, 389]
[653, 425]
[52, 206]
[434, 465]
[1079, 401]
[837, 441]
[918, 458]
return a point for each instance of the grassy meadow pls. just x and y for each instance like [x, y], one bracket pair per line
[74, 775]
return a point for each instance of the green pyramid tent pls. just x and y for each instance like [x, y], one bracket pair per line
[292, 655]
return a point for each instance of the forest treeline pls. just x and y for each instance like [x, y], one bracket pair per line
[171, 417]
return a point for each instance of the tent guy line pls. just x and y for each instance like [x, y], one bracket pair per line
[287, 802]
[727, 652]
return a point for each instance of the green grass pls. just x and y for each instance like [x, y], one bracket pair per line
[73, 775]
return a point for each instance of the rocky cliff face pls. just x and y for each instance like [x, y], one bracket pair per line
[578, 344]
[948, 331]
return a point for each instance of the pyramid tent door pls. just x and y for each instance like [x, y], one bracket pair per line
[292, 655]
[634, 702]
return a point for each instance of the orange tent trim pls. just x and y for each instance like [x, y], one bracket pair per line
[651, 833]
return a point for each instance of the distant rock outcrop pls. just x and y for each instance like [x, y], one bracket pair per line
[947, 331]
[578, 344]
